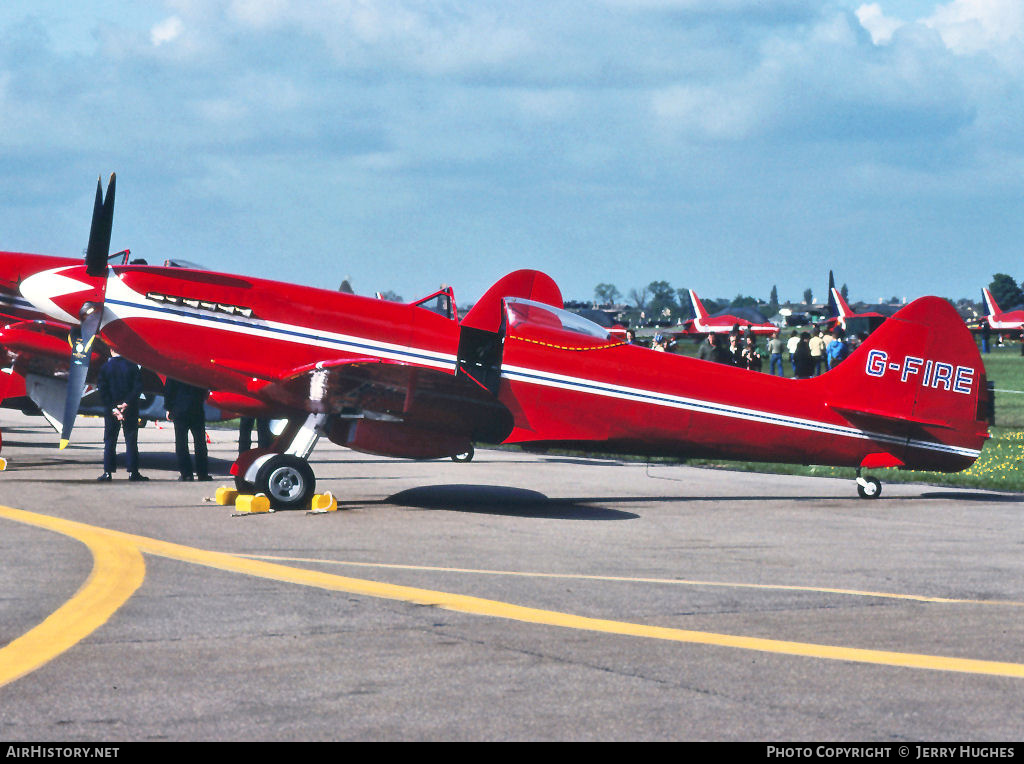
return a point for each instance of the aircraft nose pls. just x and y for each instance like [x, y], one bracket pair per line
[60, 294]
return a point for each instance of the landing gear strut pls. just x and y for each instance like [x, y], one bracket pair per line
[868, 487]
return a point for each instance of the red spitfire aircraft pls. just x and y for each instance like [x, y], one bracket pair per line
[998, 320]
[412, 380]
[702, 323]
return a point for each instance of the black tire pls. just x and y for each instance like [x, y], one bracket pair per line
[872, 491]
[244, 487]
[465, 456]
[287, 481]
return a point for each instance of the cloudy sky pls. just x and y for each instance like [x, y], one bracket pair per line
[723, 145]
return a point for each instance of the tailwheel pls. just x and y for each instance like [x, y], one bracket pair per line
[287, 481]
[465, 456]
[868, 487]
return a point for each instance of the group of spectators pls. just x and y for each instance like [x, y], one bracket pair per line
[809, 353]
[736, 350]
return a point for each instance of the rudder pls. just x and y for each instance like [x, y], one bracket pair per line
[919, 376]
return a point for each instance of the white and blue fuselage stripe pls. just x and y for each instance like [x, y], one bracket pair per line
[125, 304]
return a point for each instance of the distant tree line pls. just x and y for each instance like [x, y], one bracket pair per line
[660, 299]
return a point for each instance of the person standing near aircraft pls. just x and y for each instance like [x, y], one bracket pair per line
[120, 384]
[791, 344]
[264, 436]
[775, 347]
[837, 349]
[751, 356]
[185, 408]
[817, 346]
[712, 350]
[803, 366]
[736, 350]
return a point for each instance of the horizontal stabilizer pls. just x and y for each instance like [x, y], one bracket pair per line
[851, 412]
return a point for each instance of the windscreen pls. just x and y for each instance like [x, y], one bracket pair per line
[522, 311]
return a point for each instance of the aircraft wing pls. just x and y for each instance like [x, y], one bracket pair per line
[373, 388]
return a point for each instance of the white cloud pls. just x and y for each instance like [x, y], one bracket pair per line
[166, 31]
[879, 26]
[972, 26]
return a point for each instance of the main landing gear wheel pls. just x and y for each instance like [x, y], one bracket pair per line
[287, 481]
[465, 456]
[869, 487]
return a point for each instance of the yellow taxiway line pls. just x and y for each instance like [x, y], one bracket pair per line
[117, 555]
[641, 580]
[118, 570]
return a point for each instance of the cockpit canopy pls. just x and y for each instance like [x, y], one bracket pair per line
[520, 311]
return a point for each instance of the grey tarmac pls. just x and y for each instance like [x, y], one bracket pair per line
[199, 653]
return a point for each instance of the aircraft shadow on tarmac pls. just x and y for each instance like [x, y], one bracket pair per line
[503, 500]
[521, 502]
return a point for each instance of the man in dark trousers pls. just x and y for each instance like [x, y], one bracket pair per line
[264, 437]
[184, 404]
[120, 383]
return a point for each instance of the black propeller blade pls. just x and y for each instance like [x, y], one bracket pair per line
[98, 251]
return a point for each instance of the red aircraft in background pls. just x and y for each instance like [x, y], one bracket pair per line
[34, 350]
[38, 355]
[843, 316]
[998, 321]
[412, 380]
[702, 323]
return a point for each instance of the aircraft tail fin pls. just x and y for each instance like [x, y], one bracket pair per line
[842, 307]
[991, 308]
[919, 380]
[699, 311]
